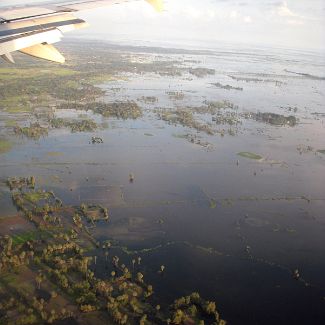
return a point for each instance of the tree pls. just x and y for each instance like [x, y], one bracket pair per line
[210, 307]
[39, 280]
[140, 277]
[143, 320]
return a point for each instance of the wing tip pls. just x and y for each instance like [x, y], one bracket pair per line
[157, 4]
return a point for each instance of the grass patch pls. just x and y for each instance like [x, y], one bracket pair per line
[10, 123]
[24, 237]
[34, 197]
[59, 71]
[180, 136]
[5, 146]
[98, 79]
[213, 204]
[8, 278]
[321, 151]
[19, 109]
[34, 131]
[249, 155]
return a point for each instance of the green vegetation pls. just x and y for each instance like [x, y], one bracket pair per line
[120, 109]
[226, 87]
[249, 155]
[5, 146]
[321, 151]
[215, 106]
[46, 279]
[176, 95]
[35, 196]
[275, 119]
[11, 123]
[186, 118]
[246, 79]
[202, 72]
[25, 237]
[148, 99]
[86, 125]
[222, 113]
[213, 204]
[34, 131]
[15, 183]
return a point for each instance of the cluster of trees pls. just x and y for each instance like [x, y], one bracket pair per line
[119, 109]
[11, 258]
[186, 118]
[85, 125]
[93, 213]
[33, 131]
[31, 202]
[48, 316]
[19, 182]
[194, 307]
[63, 262]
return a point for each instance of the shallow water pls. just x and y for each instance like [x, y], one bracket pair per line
[232, 228]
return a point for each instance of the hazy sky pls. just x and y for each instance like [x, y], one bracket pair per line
[291, 23]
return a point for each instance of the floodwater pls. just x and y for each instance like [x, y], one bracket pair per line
[230, 227]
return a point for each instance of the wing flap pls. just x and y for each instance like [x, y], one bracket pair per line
[40, 24]
[44, 51]
[8, 57]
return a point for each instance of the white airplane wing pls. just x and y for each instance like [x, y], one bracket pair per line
[32, 29]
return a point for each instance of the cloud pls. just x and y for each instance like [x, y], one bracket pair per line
[294, 22]
[247, 19]
[284, 11]
[233, 14]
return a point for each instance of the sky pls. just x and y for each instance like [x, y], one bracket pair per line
[291, 23]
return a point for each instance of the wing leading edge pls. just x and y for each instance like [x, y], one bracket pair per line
[33, 29]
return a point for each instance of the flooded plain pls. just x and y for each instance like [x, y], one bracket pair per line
[211, 163]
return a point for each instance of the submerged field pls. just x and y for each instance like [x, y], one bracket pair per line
[153, 186]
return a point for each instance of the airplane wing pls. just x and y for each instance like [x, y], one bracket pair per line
[32, 29]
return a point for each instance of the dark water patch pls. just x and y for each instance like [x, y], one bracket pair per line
[242, 276]
[66, 321]
[42, 294]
